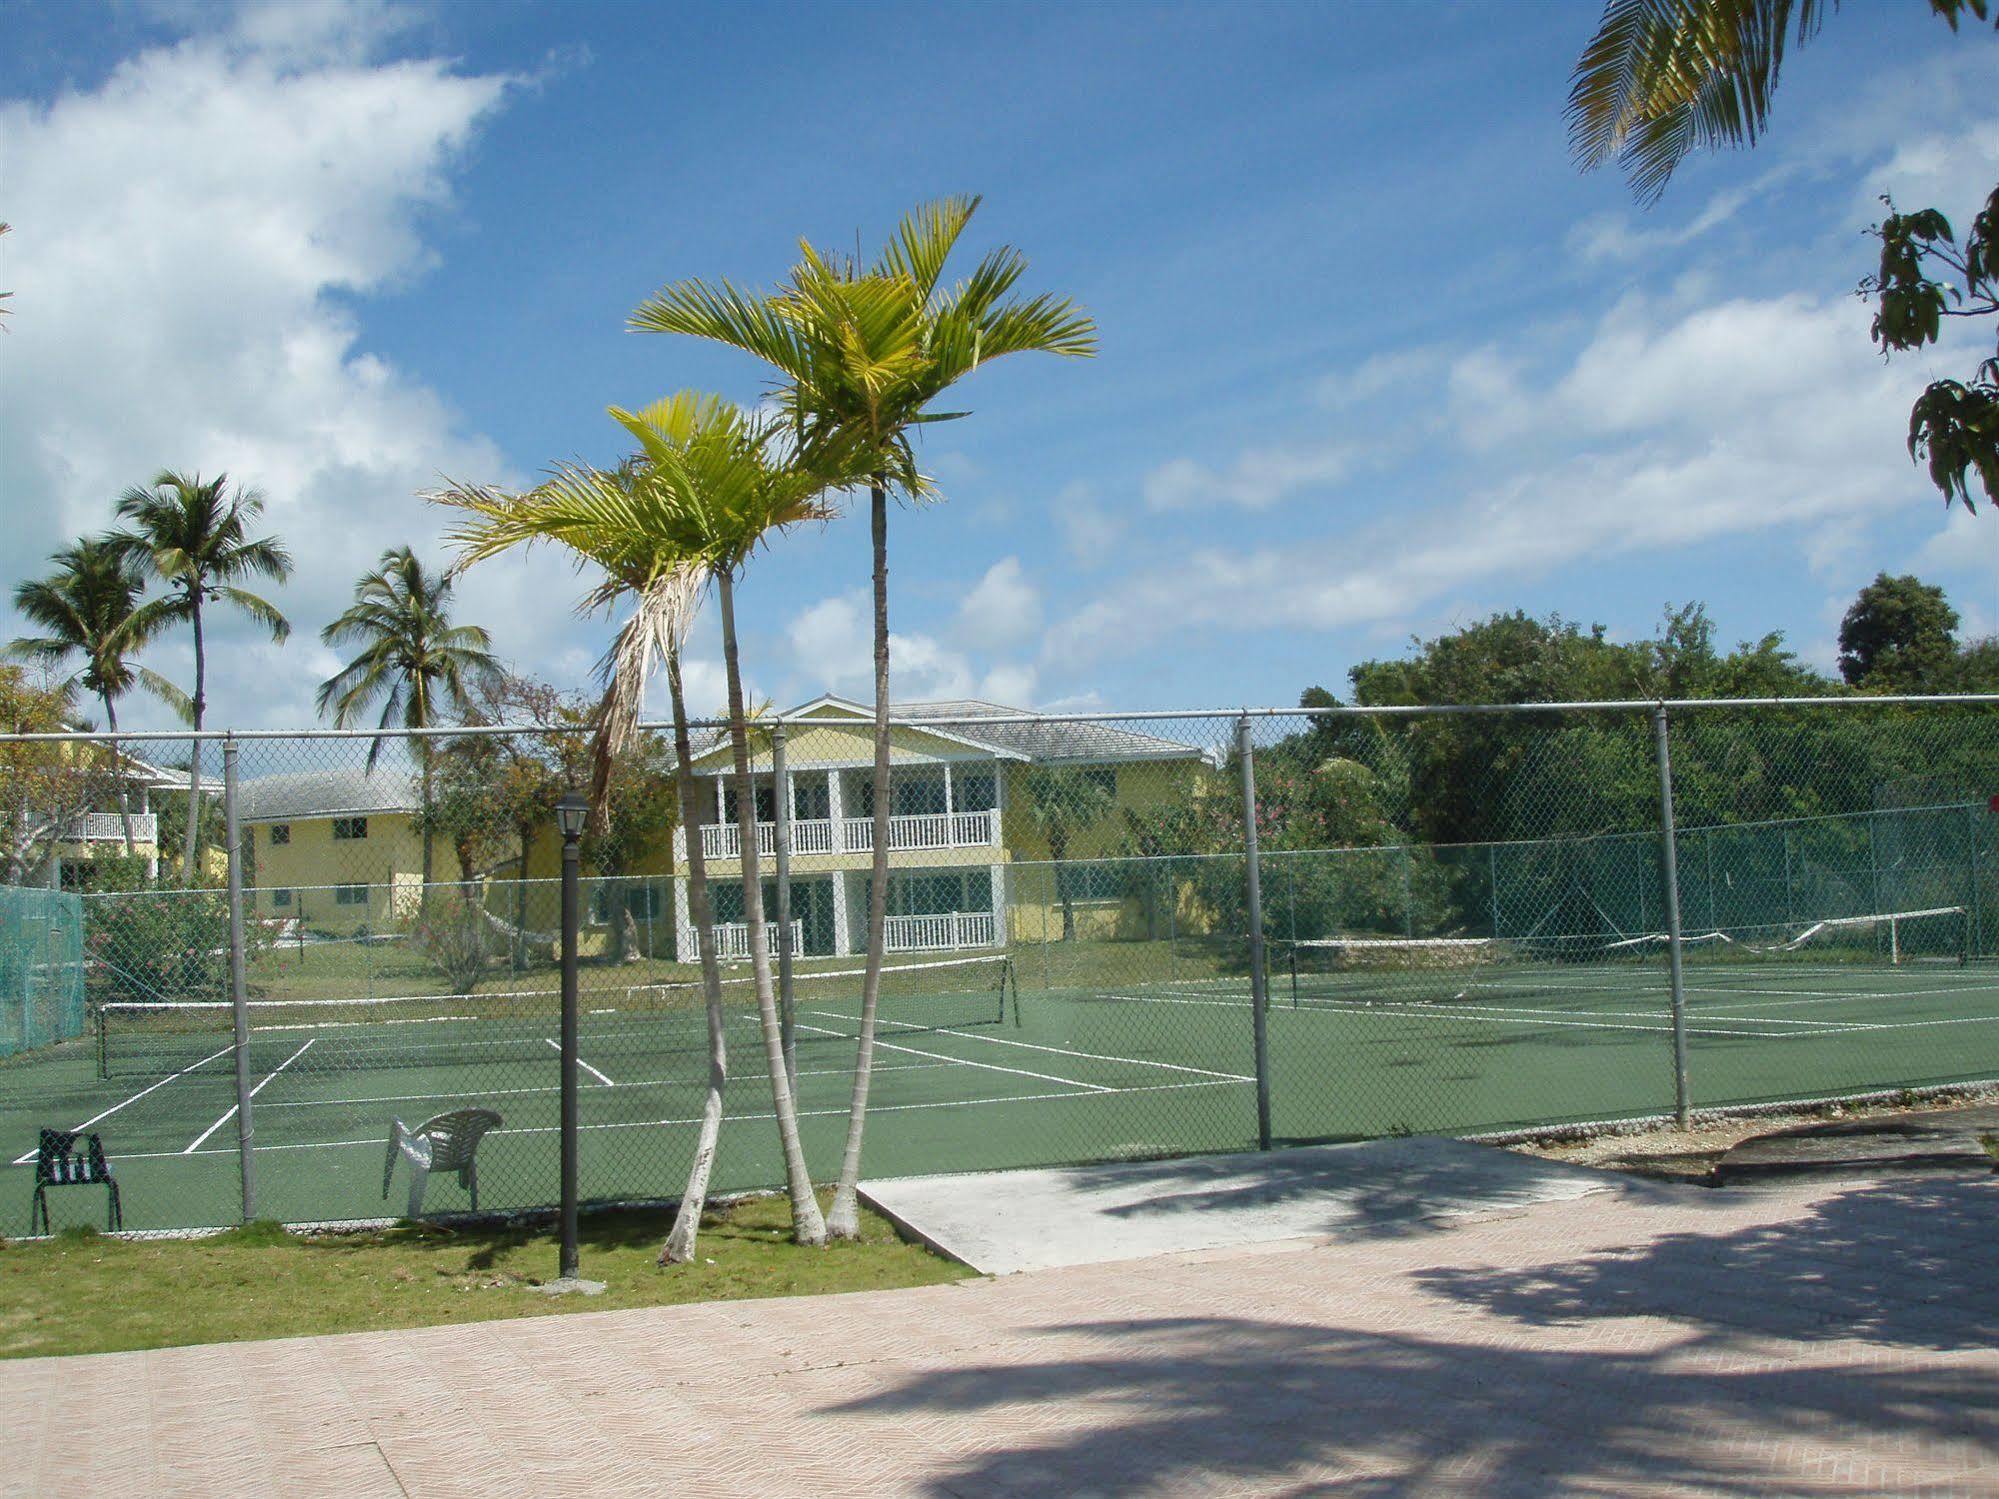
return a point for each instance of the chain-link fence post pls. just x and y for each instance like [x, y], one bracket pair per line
[1259, 983]
[1669, 864]
[787, 1015]
[239, 989]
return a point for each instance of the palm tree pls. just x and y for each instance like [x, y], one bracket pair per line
[860, 356]
[90, 606]
[708, 486]
[191, 534]
[1063, 800]
[412, 659]
[1663, 78]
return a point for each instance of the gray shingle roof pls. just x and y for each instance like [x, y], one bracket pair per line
[1049, 739]
[325, 793]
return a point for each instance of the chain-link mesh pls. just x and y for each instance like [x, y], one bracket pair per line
[1463, 921]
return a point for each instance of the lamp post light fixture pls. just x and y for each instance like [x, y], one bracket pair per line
[570, 814]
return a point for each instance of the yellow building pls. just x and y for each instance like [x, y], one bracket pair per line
[103, 832]
[332, 850]
[970, 863]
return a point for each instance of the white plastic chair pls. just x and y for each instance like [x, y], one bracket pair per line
[449, 1142]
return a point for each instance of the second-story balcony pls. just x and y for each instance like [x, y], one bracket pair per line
[826, 835]
[109, 827]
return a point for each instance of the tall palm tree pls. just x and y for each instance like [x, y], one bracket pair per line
[193, 535]
[413, 660]
[90, 606]
[860, 354]
[1062, 801]
[707, 487]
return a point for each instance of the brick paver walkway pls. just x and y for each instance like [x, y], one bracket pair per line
[1816, 1339]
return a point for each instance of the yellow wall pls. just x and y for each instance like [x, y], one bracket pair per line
[389, 860]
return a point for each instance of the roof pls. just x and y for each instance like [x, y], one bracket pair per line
[1041, 740]
[1045, 739]
[325, 793]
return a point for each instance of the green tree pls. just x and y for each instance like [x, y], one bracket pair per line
[1063, 801]
[412, 659]
[90, 607]
[709, 485]
[861, 353]
[1663, 78]
[1899, 635]
[193, 535]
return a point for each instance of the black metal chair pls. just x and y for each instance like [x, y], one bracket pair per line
[58, 1163]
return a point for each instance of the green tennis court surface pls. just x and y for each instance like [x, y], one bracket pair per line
[967, 1078]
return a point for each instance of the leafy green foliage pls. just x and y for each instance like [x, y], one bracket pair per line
[1899, 635]
[1924, 277]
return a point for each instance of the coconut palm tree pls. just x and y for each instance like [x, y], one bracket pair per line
[1663, 78]
[192, 534]
[707, 487]
[1062, 801]
[412, 659]
[90, 606]
[860, 354]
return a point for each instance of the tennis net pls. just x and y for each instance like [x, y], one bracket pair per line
[512, 1026]
[1403, 970]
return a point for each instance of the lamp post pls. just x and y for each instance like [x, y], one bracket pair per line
[570, 814]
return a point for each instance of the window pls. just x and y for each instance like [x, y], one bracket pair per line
[282, 899]
[940, 893]
[350, 895]
[917, 794]
[766, 803]
[645, 902]
[974, 790]
[281, 834]
[811, 799]
[347, 828]
[1087, 882]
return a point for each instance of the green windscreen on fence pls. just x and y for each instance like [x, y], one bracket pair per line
[41, 969]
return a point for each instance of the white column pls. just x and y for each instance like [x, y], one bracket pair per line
[999, 905]
[836, 808]
[948, 807]
[685, 948]
[721, 816]
[842, 943]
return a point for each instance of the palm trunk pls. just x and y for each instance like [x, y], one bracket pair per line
[192, 843]
[807, 1227]
[118, 771]
[520, 944]
[1058, 850]
[844, 1222]
[693, 1201]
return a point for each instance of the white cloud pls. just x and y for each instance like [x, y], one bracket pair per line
[1002, 608]
[1377, 376]
[1615, 236]
[1258, 479]
[1667, 430]
[1091, 531]
[832, 649]
[181, 232]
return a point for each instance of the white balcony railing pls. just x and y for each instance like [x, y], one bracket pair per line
[109, 827]
[928, 830]
[732, 939]
[935, 933]
[821, 835]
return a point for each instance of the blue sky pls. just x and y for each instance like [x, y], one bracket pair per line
[1376, 359]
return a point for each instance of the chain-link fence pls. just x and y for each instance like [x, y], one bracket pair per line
[1105, 937]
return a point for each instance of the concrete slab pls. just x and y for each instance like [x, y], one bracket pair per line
[1003, 1221]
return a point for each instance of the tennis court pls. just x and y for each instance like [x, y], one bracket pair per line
[993, 1062]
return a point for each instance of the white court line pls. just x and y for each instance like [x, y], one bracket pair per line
[1094, 1056]
[24, 1159]
[583, 1064]
[745, 1078]
[231, 1111]
[840, 1113]
[1043, 1077]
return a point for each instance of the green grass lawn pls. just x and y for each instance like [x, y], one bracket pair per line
[84, 1293]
